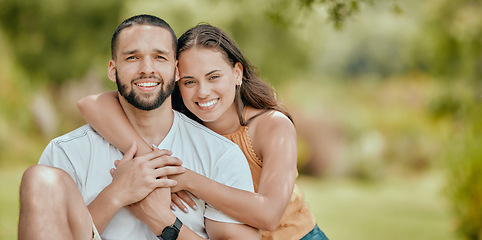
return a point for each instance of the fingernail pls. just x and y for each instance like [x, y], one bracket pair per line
[185, 210]
[173, 208]
[194, 207]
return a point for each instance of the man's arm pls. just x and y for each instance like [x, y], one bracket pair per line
[133, 180]
[155, 212]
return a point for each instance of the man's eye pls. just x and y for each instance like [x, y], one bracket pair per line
[161, 57]
[130, 57]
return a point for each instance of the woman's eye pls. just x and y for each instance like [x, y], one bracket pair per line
[213, 77]
[188, 82]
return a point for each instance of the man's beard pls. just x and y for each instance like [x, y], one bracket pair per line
[136, 100]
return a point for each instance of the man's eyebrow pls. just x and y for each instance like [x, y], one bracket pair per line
[130, 52]
[161, 51]
[136, 51]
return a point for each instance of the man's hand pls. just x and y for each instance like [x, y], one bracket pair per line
[136, 177]
[154, 210]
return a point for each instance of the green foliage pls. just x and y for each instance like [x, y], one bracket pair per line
[336, 10]
[464, 186]
[57, 40]
[452, 39]
[370, 130]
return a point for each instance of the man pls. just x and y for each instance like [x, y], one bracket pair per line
[135, 203]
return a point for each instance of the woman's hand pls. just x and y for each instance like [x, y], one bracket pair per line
[179, 193]
[176, 201]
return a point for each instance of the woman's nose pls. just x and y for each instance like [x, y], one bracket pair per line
[203, 90]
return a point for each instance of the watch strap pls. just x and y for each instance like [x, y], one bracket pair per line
[176, 226]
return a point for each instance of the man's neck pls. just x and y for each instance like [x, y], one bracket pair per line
[152, 125]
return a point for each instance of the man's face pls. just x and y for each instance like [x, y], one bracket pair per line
[145, 66]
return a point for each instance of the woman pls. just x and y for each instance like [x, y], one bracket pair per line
[221, 90]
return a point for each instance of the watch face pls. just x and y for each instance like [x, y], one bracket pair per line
[169, 233]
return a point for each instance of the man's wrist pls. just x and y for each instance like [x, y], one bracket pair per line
[163, 223]
[171, 232]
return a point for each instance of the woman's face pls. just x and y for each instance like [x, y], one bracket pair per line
[208, 84]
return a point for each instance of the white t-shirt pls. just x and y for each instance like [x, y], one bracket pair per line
[87, 157]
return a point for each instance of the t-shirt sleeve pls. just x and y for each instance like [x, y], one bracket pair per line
[232, 169]
[55, 156]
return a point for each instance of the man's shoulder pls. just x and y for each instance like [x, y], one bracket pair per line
[83, 132]
[75, 146]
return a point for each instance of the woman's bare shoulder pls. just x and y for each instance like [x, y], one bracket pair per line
[271, 124]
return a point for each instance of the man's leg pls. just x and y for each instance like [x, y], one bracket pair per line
[51, 206]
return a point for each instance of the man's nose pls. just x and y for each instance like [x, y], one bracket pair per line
[146, 67]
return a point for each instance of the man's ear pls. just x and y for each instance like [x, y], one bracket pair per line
[238, 73]
[111, 71]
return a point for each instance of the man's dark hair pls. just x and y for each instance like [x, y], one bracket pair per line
[143, 19]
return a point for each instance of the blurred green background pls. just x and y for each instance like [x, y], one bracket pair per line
[386, 96]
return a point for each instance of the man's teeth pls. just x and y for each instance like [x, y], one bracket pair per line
[208, 104]
[147, 84]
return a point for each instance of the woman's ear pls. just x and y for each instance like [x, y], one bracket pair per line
[238, 73]
[177, 72]
[111, 71]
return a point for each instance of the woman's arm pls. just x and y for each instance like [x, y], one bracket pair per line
[275, 138]
[105, 114]
[232, 231]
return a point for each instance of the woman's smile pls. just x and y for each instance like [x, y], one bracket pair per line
[207, 105]
[207, 84]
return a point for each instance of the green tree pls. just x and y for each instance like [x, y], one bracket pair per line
[56, 40]
[452, 41]
[464, 183]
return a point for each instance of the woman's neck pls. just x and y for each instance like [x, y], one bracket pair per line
[226, 124]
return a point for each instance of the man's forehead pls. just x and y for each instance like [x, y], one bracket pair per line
[146, 35]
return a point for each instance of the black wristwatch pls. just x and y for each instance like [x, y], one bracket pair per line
[171, 232]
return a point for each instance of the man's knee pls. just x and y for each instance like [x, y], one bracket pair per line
[39, 179]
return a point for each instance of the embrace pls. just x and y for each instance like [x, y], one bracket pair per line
[192, 145]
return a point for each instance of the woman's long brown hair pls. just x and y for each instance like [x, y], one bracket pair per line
[253, 91]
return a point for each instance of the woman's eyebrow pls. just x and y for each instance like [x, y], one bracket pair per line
[211, 72]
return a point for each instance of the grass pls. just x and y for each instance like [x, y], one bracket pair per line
[345, 209]
[9, 185]
[392, 209]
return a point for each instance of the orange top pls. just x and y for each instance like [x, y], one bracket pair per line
[297, 220]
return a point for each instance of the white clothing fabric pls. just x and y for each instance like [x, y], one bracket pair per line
[87, 157]
[95, 233]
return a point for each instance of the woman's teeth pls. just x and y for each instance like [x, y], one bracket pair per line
[208, 104]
